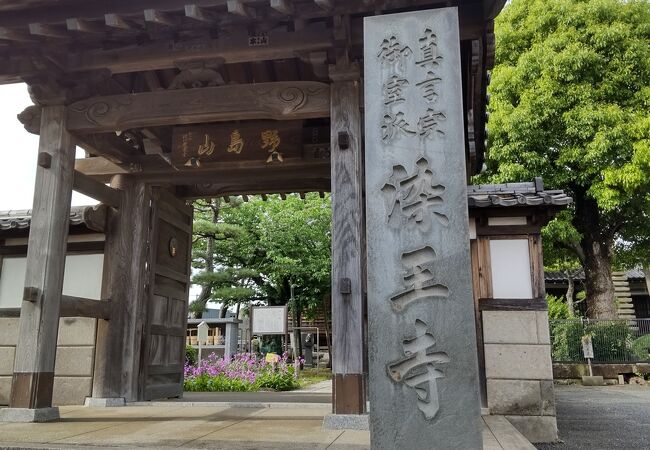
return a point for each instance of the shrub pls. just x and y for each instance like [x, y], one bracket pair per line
[242, 372]
[567, 337]
[640, 347]
[191, 355]
[611, 340]
[557, 308]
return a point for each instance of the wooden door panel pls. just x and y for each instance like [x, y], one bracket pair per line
[162, 364]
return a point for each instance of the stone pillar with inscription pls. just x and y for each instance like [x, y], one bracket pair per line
[422, 347]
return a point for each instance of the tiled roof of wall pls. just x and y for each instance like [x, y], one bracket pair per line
[515, 194]
[21, 219]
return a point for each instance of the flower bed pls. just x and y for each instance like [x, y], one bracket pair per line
[242, 372]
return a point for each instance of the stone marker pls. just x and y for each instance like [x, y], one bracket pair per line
[422, 345]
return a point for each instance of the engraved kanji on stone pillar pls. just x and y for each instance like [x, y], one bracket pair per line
[423, 370]
[419, 369]
[418, 277]
[414, 199]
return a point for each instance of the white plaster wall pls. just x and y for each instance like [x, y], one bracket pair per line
[82, 278]
[510, 262]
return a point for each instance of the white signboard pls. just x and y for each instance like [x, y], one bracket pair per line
[202, 332]
[587, 347]
[269, 319]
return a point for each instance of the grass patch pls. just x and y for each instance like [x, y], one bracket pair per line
[312, 375]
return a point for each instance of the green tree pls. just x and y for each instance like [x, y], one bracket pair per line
[570, 100]
[221, 278]
[261, 248]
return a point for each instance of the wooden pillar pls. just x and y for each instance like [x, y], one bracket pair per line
[33, 376]
[347, 243]
[117, 351]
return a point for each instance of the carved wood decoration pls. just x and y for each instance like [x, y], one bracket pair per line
[268, 141]
[275, 101]
[198, 74]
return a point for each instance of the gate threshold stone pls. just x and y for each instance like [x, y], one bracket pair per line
[108, 402]
[26, 415]
[346, 422]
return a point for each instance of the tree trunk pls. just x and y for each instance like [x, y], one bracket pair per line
[299, 321]
[294, 326]
[206, 290]
[327, 305]
[569, 293]
[596, 246]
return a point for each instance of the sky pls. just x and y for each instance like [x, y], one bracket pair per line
[18, 153]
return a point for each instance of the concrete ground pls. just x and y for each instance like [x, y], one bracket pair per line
[607, 417]
[201, 427]
[248, 420]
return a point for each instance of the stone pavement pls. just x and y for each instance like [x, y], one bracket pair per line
[607, 417]
[283, 427]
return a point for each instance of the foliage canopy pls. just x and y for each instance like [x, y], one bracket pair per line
[263, 247]
[570, 101]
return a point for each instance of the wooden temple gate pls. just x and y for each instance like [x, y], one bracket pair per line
[176, 101]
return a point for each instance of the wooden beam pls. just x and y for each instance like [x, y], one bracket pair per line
[108, 145]
[233, 49]
[46, 30]
[33, 377]
[283, 6]
[85, 307]
[226, 189]
[119, 22]
[84, 26]
[199, 14]
[347, 245]
[512, 304]
[95, 217]
[238, 8]
[99, 168]
[235, 173]
[152, 80]
[275, 101]
[159, 18]
[118, 343]
[326, 5]
[97, 190]
[9, 34]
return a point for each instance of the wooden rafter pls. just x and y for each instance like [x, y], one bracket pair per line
[283, 6]
[233, 49]
[84, 26]
[159, 18]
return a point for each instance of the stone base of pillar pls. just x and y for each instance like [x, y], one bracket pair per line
[346, 422]
[23, 415]
[104, 402]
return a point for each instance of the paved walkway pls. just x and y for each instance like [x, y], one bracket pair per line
[602, 418]
[318, 394]
[201, 427]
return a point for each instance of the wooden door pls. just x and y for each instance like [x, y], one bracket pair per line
[163, 355]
